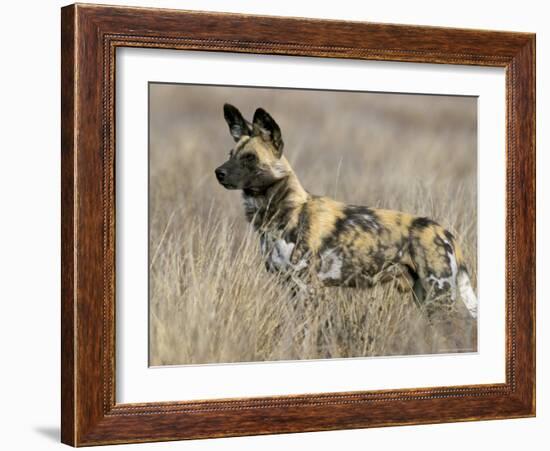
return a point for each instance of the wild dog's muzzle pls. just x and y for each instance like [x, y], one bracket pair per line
[221, 173]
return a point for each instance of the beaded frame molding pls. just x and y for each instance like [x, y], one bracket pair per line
[90, 35]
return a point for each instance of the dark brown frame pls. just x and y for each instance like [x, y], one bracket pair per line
[90, 34]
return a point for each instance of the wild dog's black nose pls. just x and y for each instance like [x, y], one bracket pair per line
[220, 174]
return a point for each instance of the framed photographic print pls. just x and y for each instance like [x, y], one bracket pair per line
[281, 224]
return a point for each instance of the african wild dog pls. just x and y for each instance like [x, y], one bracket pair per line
[338, 244]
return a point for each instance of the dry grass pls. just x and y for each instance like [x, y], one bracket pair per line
[211, 300]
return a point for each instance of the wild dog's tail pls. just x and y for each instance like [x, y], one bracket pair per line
[466, 292]
[464, 285]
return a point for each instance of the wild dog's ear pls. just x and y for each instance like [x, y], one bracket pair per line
[266, 127]
[238, 126]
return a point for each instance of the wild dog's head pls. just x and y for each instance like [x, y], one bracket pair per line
[255, 162]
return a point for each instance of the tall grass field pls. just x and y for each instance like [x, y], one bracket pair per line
[211, 299]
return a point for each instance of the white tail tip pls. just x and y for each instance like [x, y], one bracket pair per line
[467, 293]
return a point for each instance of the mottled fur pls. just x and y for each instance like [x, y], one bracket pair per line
[315, 238]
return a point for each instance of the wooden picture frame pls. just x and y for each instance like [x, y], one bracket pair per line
[90, 35]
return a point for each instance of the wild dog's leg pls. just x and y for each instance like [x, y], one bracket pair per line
[436, 260]
[280, 258]
[435, 289]
[397, 273]
[279, 254]
[441, 273]
[440, 265]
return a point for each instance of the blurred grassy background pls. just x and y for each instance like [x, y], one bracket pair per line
[210, 298]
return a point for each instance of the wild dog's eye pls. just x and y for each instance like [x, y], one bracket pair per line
[249, 157]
